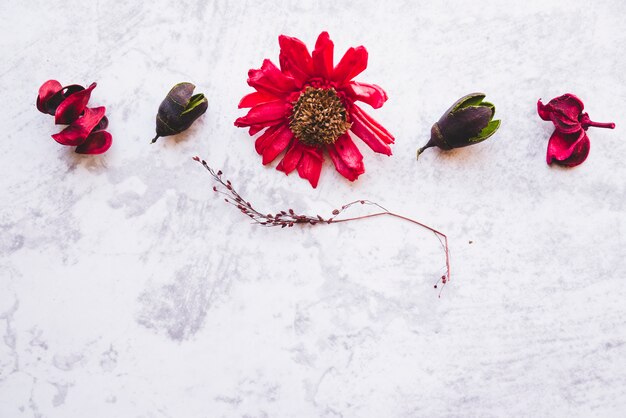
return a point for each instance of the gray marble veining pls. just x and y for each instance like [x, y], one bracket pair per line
[127, 289]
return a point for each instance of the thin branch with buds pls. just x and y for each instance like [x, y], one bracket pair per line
[289, 218]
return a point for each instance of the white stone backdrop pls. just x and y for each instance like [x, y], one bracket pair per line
[127, 289]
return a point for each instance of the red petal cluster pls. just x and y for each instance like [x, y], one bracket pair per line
[277, 89]
[68, 105]
[569, 144]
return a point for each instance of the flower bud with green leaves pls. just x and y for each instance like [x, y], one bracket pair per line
[467, 122]
[179, 110]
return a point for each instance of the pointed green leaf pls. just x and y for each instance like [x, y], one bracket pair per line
[473, 99]
[195, 100]
[489, 130]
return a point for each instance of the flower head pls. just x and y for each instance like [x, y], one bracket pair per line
[569, 144]
[467, 122]
[308, 105]
[179, 110]
[68, 105]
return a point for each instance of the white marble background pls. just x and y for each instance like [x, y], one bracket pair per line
[127, 289]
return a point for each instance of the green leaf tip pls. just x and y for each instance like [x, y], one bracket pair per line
[487, 131]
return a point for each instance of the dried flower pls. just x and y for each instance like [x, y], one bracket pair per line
[179, 110]
[466, 122]
[308, 106]
[289, 218]
[569, 144]
[86, 130]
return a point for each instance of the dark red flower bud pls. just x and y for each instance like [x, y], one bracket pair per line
[569, 144]
[466, 122]
[179, 110]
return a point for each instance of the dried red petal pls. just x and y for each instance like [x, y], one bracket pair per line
[79, 130]
[256, 98]
[96, 143]
[265, 112]
[277, 144]
[352, 64]
[347, 158]
[310, 166]
[292, 157]
[295, 58]
[568, 149]
[46, 92]
[371, 94]
[269, 79]
[323, 56]
[73, 106]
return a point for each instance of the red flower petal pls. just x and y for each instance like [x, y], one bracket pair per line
[46, 91]
[371, 94]
[269, 79]
[564, 112]
[264, 140]
[347, 158]
[73, 106]
[264, 112]
[310, 165]
[277, 144]
[543, 110]
[256, 98]
[323, 56]
[375, 126]
[568, 149]
[79, 130]
[352, 64]
[292, 158]
[295, 58]
[96, 143]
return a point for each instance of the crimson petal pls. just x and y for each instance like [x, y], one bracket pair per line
[264, 139]
[352, 64]
[371, 94]
[277, 144]
[79, 130]
[566, 149]
[256, 98]
[73, 106]
[310, 165]
[96, 143]
[375, 126]
[264, 112]
[323, 56]
[46, 92]
[295, 58]
[347, 158]
[292, 158]
[269, 79]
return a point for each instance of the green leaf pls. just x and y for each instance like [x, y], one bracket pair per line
[487, 131]
[195, 100]
[473, 99]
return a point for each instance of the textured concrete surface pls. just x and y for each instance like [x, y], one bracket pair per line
[127, 289]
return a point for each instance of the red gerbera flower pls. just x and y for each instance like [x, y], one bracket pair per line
[308, 105]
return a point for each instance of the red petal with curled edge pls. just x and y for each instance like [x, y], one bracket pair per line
[568, 149]
[96, 143]
[269, 79]
[543, 110]
[352, 64]
[79, 130]
[264, 140]
[564, 112]
[372, 124]
[264, 112]
[73, 106]
[277, 144]
[295, 58]
[46, 91]
[256, 98]
[292, 157]
[323, 56]
[371, 94]
[347, 158]
[310, 165]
